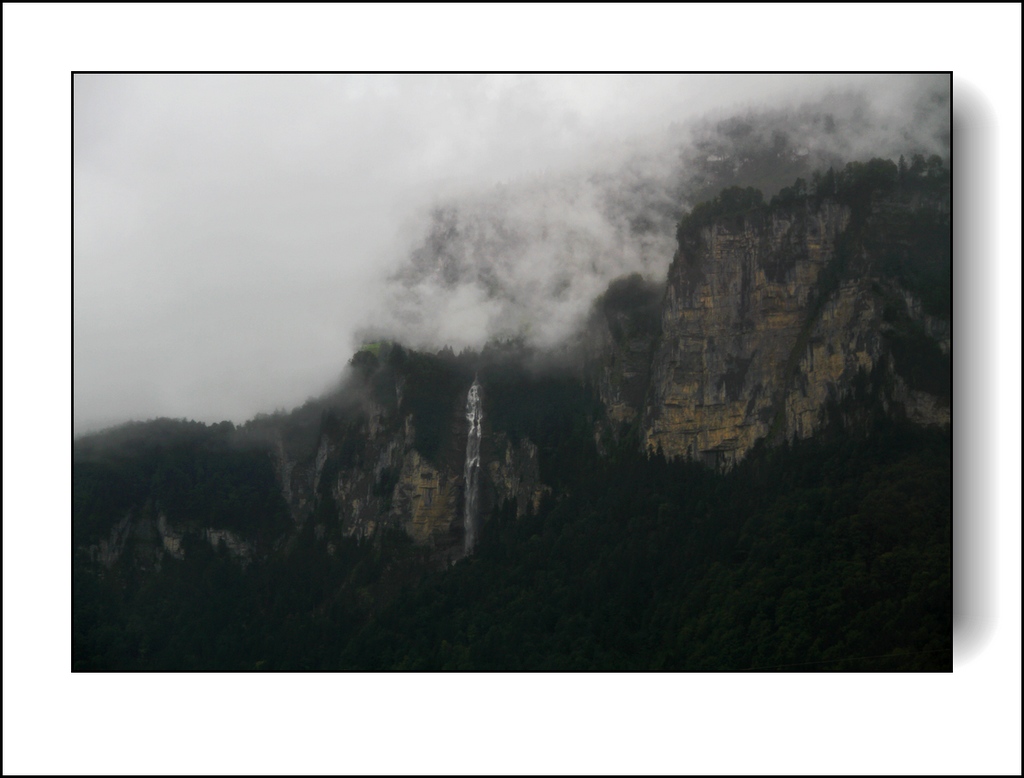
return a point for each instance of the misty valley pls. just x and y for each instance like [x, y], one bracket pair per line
[739, 458]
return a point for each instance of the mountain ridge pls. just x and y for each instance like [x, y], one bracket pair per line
[811, 317]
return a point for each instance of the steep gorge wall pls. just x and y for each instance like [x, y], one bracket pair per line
[375, 477]
[761, 329]
[738, 298]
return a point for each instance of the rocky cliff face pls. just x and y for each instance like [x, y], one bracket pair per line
[427, 502]
[146, 540]
[515, 475]
[762, 327]
[373, 476]
[735, 316]
[354, 464]
[622, 334]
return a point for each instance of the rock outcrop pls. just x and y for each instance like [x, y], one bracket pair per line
[515, 475]
[427, 501]
[146, 541]
[762, 328]
[735, 316]
[623, 332]
[371, 475]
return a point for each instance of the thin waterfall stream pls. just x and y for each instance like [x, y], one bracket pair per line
[474, 415]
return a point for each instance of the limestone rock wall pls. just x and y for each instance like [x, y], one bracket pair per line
[376, 478]
[427, 502]
[623, 375]
[620, 337]
[736, 306]
[844, 337]
[756, 340]
[515, 475]
[146, 540]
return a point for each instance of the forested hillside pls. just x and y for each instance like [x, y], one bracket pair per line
[745, 468]
[831, 554]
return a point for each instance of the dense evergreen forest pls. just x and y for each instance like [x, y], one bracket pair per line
[826, 554]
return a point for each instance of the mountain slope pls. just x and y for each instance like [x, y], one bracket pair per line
[746, 466]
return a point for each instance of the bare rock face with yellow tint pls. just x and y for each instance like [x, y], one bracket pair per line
[735, 310]
[389, 484]
[844, 337]
[374, 477]
[760, 332]
[427, 500]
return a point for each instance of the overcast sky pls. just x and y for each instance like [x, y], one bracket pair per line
[233, 234]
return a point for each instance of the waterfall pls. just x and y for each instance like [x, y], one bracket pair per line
[474, 415]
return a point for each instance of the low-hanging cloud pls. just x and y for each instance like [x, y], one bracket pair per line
[527, 259]
[237, 236]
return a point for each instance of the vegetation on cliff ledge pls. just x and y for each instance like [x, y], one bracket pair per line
[899, 232]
